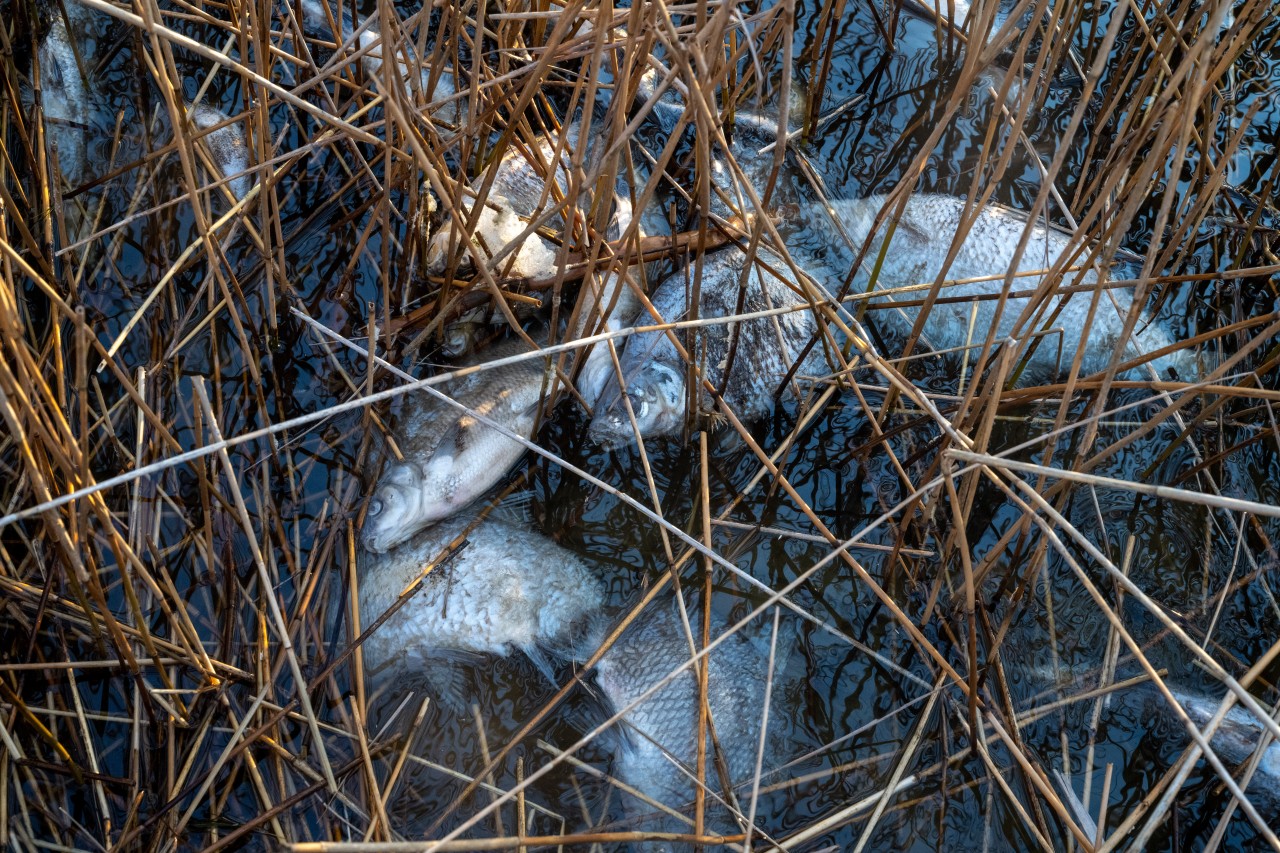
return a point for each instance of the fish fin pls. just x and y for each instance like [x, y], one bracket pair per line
[578, 640]
[514, 508]
[447, 679]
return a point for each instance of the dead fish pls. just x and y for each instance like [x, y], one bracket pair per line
[226, 146]
[519, 194]
[657, 751]
[952, 13]
[521, 191]
[919, 246]
[766, 348]
[412, 74]
[1236, 739]
[450, 458]
[509, 589]
[65, 94]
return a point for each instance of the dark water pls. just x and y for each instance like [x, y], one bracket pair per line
[333, 264]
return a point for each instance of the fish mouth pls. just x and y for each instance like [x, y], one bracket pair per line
[657, 401]
[392, 515]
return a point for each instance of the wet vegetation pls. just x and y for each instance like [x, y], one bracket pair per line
[980, 516]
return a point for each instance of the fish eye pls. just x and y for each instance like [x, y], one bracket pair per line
[375, 507]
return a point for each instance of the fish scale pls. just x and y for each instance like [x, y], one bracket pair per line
[918, 250]
[663, 727]
[509, 589]
[765, 351]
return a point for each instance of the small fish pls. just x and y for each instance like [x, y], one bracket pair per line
[509, 589]
[450, 458]
[226, 147]
[766, 348]
[658, 750]
[918, 248]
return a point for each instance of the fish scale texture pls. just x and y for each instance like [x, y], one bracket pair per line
[918, 250]
[666, 722]
[508, 394]
[766, 347]
[509, 589]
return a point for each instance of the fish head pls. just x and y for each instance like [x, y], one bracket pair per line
[394, 512]
[656, 393]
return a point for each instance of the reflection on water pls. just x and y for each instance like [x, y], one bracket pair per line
[865, 681]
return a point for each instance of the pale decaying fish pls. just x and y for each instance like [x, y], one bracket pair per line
[227, 148]
[413, 76]
[64, 95]
[451, 458]
[527, 182]
[657, 751]
[919, 247]
[518, 195]
[509, 589]
[764, 348]
[1237, 739]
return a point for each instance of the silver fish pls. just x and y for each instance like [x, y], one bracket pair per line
[227, 148]
[766, 348]
[919, 247]
[518, 195]
[658, 750]
[1237, 737]
[64, 94]
[1235, 740]
[508, 590]
[450, 458]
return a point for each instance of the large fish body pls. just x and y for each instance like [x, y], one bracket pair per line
[765, 348]
[509, 589]
[450, 457]
[918, 250]
[657, 751]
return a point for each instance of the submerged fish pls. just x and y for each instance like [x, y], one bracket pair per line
[509, 589]
[1236, 739]
[919, 247]
[412, 74]
[658, 750]
[451, 458]
[766, 348]
[64, 96]
[226, 147]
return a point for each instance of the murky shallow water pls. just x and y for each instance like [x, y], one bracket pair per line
[335, 265]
